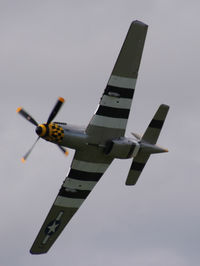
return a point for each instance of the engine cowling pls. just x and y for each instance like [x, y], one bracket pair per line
[122, 148]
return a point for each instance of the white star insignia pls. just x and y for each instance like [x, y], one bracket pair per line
[52, 228]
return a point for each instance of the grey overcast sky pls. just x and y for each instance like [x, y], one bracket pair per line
[68, 48]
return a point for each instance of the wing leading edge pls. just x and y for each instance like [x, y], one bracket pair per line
[85, 172]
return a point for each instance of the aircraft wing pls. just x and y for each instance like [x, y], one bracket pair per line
[86, 170]
[112, 114]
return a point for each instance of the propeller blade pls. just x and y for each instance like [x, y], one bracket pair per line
[55, 110]
[65, 151]
[30, 150]
[137, 136]
[23, 113]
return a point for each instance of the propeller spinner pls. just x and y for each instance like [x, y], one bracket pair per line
[45, 130]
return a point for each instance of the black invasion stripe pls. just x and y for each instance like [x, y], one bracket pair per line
[123, 92]
[77, 194]
[156, 123]
[113, 112]
[137, 166]
[84, 176]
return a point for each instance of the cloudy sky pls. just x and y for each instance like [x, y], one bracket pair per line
[68, 48]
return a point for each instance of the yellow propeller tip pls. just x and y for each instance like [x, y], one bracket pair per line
[66, 153]
[61, 99]
[23, 160]
[18, 109]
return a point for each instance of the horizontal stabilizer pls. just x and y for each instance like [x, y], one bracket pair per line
[153, 131]
[147, 144]
[137, 166]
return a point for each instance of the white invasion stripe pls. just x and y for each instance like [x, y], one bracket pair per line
[89, 166]
[68, 202]
[110, 122]
[78, 184]
[122, 82]
[115, 102]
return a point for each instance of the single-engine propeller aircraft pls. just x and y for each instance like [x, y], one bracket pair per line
[101, 141]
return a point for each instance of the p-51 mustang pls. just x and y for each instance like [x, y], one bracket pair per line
[101, 141]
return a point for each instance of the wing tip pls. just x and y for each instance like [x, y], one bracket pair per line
[139, 23]
[37, 251]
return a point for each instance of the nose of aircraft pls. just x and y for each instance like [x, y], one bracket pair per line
[51, 132]
[38, 130]
[42, 130]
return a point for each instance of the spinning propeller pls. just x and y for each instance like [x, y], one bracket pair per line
[39, 128]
